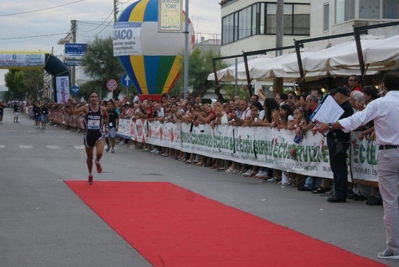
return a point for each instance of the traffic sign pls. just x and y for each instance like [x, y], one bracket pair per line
[75, 90]
[125, 80]
[111, 85]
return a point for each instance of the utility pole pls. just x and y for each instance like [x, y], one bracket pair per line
[186, 44]
[73, 31]
[278, 82]
[115, 9]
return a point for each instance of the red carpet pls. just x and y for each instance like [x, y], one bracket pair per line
[171, 226]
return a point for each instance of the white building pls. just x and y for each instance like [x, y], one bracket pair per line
[249, 25]
[329, 17]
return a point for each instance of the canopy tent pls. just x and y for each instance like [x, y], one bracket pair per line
[379, 55]
[273, 69]
[228, 74]
[321, 60]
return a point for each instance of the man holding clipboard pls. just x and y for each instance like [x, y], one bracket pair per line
[336, 106]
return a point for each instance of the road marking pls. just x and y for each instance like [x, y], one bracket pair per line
[2, 146]
[24, 146]
[79, 147]
[53, 147]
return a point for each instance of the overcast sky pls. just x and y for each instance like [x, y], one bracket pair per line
[37, 25]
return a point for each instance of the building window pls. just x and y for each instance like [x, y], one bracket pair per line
[301, 20]
[369, 9]
[344, 10]
[390, 9]
[271, 10]
[326, 17]
[260, 18]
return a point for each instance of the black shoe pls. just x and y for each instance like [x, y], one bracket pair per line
[303, 188]
[336, 200]
[359, 197]
[374, 201]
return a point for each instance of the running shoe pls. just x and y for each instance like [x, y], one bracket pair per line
[107, 149]
[90, 180]
[98, 166]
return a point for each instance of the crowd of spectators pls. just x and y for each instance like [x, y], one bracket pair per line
[284, 111]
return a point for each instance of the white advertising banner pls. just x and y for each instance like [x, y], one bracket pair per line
[62, 87]
[363, 158]
[170, 15]
[11, 60]
[259, 146]
[126, 39]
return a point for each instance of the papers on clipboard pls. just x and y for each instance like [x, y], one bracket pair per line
[327, 111]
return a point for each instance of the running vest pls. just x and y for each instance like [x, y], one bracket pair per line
[93, 119]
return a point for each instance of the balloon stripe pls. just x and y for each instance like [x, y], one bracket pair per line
[163, 71]
[151, 12]
[125, 61]
[139, 72]
[166, 90]
[152, 65]
[171, 68]
[137, 14]
[124, 16]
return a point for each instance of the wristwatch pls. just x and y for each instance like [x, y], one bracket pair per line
[330, 126]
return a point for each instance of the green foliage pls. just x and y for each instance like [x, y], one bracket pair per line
[231, 91]
[199, 67]
[100, 64]
[23, 84]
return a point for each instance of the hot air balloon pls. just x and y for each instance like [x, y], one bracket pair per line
[152, 59]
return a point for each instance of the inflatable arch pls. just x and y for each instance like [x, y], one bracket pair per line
[40, 60]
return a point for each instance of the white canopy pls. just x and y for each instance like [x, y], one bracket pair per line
[273, 69]
[228, 74]
[379, 55]
[324, 60]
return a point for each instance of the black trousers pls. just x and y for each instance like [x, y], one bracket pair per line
[339, 168]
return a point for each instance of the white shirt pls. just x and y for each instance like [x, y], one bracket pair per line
[385, 113]
[261, 114]
[246, 113]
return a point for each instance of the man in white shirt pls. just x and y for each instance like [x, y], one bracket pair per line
[385, 112]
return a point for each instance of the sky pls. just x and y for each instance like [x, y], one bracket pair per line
[37, 25]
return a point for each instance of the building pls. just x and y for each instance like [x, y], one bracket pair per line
[331, 17]
[249, 25]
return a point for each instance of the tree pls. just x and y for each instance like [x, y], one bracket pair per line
[100, 64]
[23, 84]
[199, 67]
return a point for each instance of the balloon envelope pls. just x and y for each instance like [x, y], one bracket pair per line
[151, 59]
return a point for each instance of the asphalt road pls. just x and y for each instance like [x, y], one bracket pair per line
[43, 223]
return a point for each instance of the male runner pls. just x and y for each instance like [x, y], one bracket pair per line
[95, 117]
[113, 122]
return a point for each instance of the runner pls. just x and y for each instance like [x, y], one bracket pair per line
[95, 117]
[44, 114]
[113, 122]
[1, 112]
[36, 113]
[16, 111]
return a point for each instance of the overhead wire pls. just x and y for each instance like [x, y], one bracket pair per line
[38, 10]
[98, 25]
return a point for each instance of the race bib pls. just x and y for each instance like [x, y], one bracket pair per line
[93, 124]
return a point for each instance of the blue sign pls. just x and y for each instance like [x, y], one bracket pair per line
[75, 90]
[125, 80]
[75, 49]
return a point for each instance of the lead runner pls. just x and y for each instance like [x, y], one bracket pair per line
[95, 118]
